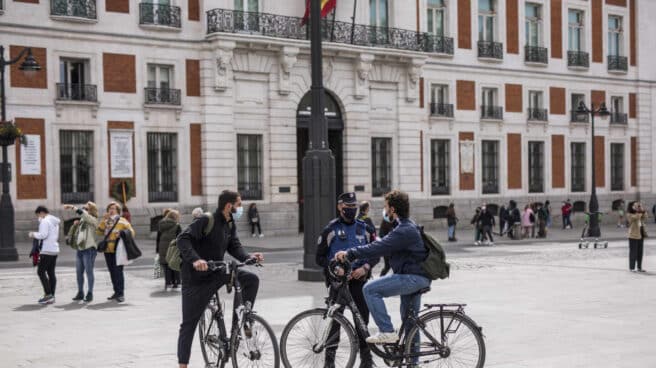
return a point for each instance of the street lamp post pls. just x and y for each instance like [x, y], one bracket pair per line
[318, 163]
[593, 206]
[7, 229]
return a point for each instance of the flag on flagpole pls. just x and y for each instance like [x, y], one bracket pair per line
[326, 7]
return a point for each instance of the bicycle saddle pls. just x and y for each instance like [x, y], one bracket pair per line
[422, 291]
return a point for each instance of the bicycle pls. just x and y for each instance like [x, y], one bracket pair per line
[252, 342]
[441, 336]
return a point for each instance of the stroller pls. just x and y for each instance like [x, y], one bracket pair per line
[586, 239]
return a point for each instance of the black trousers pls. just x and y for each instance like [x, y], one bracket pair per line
[355, 287]
[259, 228]
[115, 273]
[171, 277]
[636, 248]
[487, 233]
[195, 298]
[46, 272]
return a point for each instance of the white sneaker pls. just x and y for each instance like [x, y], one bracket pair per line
[253, 235]
[477, 243]
[383, 338]
[261, 235]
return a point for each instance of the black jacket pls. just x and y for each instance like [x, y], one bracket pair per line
[194, 245]
[486, 218]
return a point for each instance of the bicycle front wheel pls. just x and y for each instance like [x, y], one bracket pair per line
[210, 337]
[462, 338]
[258, 350]
[312, 337]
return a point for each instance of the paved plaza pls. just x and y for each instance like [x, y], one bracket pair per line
[540, 305]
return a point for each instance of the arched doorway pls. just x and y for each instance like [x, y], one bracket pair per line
[335, 141]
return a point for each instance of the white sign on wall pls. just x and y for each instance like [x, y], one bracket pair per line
[467, 157]
[120, 144]
[31, 155]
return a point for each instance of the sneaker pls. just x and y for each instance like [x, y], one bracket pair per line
[120, 299]
[253, 235]
[51, 300]
[477, 243]
[43, 299]
[383, 338]
[261, 235]
[641, 270]
[88, 298]
[79, 296]
[112, 297]
[633, 270]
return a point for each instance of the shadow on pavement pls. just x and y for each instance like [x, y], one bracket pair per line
[165, 294]
[108, 305]
[29, 307]
[71, 306]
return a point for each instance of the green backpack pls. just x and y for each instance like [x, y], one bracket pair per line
[173, 258]
[435, 264]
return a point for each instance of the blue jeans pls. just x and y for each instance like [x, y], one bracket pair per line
[84, 261]
[392, 285]
[452, 231]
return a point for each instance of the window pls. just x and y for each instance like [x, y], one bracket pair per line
[160, 76]
[246, 17]
[490, 167]
[76, 160]
[535, 167]
[378, 13]
[533, 25]
[159, 12]
[489, 107]
[440, 100]
[486, 20]
[252, 6]
[577, 98]
[575, 20]
[381, 165]
[617, 166]
[162, 167]
[578, 167]
[615, 36]
[489, 97]
[536, 110]
[440, 166]
[617, 104]
[249, 166]
[74, 81]
[436, 17]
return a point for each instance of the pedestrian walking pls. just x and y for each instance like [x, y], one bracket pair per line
[451, 221]
[528, 219]
[566, 212]
[254, 220]
[168, 229]
[110, 228]
[486, 224]
[82, 238]
[503, 219]
[541, 221]
[514, 221]
[49, 234]
[637, 235]
[363, 215]
[621, 220]
[476, 224]
[547, 208]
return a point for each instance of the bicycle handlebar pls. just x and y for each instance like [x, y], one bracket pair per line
[222, 265]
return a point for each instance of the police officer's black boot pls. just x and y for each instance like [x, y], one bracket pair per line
[365, 358]
[330, 358]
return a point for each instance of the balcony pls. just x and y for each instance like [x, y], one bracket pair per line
[618, 118]
[617, 63]
[162, 96]
[282, 26]
[490, 50]
[578, 59]
[159, 15]
[540, 115]
[579, 117]
[490, 186]
[77, 92]
[170, 196]
[535, 54]
[76, 197]
[491, 112]
[78, 10]
[441, 110]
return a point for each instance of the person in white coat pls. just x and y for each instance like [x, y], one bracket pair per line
[49, 234]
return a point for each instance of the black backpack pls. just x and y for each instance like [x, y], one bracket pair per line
[435, 264]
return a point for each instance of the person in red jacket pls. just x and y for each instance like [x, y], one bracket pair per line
[566, 211]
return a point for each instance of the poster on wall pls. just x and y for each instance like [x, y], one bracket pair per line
[467, 157]
[31, 155]
[120, 144]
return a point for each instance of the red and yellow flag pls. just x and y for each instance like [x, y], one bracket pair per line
[326, 7]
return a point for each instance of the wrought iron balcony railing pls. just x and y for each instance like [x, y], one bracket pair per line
[159, 15]
[76, 197]
[618, 63]
[440, 189]
[282, 26]
[492, 112]
[618, 118]
[440, 109]
[250, 190]
[537, 114]
[578, 59]
[535, 54]
[162, 96]
[171, 196]
[490, 186]
[76, 92]
[73, 8]
[490, 50]
[580, 117]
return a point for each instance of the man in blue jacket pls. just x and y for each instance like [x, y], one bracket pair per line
[406, 249]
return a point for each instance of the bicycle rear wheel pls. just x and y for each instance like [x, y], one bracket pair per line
[307, 336]
[462, 337]
[259, 350]
[209, 336]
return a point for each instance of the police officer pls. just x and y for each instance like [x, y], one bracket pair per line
[341, 234]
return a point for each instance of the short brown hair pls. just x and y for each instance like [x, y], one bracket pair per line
[227, 196]
[399, 200]
[114, 204]
[92, 209]
[173, 215]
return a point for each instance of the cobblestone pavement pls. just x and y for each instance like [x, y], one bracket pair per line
[540, 305]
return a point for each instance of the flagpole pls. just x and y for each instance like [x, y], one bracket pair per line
[332, 31]
[355, 6]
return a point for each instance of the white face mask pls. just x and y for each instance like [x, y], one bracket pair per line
[238, 212]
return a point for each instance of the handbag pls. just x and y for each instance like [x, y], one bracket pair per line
[102, 245]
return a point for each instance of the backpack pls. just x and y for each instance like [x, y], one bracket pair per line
[173, 258]
[531, 217]
[435, 264]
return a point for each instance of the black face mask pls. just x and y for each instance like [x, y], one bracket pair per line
[349, 213]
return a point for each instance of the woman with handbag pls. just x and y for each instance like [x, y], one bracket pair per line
[110, 227]
[82, 238]
[637, 234]
[168, 229]
[254, 220]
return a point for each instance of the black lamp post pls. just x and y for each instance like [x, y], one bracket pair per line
[318, 163]
[593, 206]
[7, 241]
